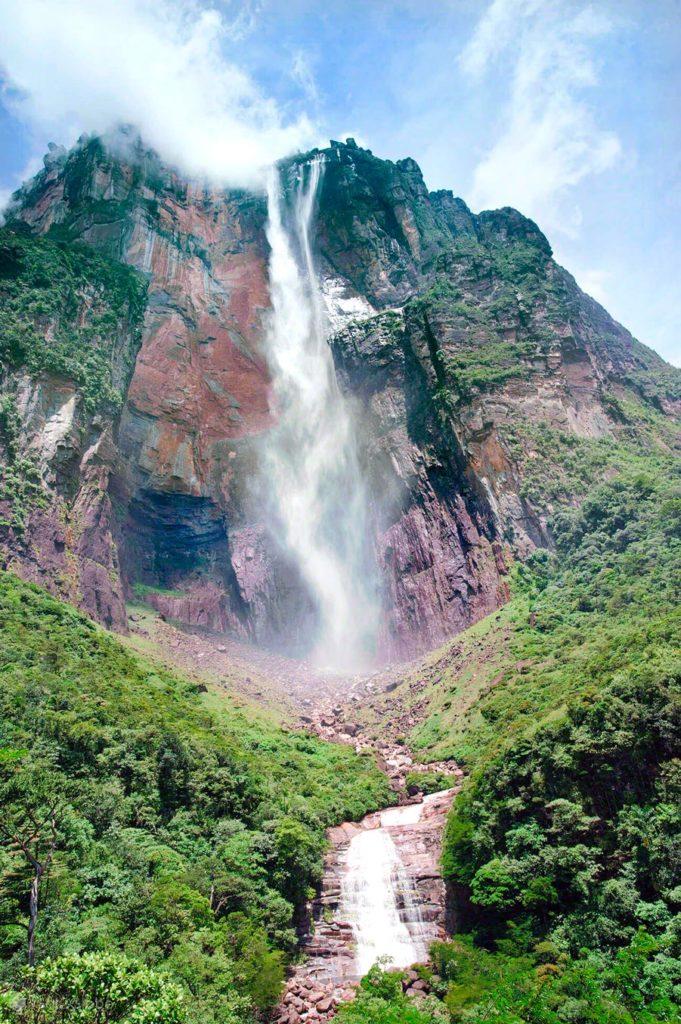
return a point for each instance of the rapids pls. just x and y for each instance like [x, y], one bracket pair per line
[382, 899]
[379, 899]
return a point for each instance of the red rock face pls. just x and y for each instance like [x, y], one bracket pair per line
[205, 606]
[200, 379]
[199, 391]
[447, 495]
[67, 545]
[442, 575]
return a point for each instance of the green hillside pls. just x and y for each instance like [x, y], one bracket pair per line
[562, 851]
[173, 827]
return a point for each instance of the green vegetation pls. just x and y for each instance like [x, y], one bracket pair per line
[570, 832]
[427, 782]
[151, 820]
[486, 367]
[20, 482]
[471, 985]
[484, 314]
[561, 852]
[605, 602]
[566, 831]
[380, 1000]
[142, 591]
[67, 311]
[94, 988]
[558, 467]
[458, 677]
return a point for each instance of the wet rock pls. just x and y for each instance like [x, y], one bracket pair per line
[325, 977]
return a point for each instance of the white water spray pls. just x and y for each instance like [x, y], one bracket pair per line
[379, 899]
[311, 458]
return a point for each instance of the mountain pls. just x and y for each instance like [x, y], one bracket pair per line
[481, 373]
[165, 799]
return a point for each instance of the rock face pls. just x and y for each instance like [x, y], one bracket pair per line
[66, 545]
[450, 331]
[69, 336]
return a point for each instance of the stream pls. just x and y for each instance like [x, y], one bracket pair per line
[382, 899]
[379, 898]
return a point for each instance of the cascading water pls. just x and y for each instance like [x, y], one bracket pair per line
[311, 462]
[378, 897]
[382, 899]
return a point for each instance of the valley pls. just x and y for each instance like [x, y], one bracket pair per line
[340, 561]
[381, 893]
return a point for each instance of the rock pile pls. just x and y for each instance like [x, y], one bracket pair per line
[335, 723]
[304, 1000]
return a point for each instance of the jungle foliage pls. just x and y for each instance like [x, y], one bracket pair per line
[169, 827]
[67, 311]
[568, 830]
[469, 984]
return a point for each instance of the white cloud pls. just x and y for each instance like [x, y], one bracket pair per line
[302, 73]
[88, 65]
[245, 20]
[549, 137]
[5, 194]
[593, 281]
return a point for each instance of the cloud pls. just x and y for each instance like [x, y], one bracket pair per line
[88, 65]
[5, 195]
[245, 20]
[302, 73]
[550, 139]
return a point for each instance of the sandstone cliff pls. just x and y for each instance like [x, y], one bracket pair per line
[457, 336]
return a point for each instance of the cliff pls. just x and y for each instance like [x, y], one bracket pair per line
[476, 364]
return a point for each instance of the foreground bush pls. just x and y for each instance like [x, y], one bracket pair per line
[95, 988]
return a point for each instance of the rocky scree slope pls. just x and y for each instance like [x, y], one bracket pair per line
[456, 335]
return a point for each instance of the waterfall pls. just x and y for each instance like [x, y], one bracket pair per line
[378, 898]
[311, 462]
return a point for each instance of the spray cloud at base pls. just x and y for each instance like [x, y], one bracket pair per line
[311, 461]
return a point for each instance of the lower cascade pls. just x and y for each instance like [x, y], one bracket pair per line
[382, 900]
[379, 898]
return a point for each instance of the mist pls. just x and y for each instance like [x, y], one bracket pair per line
[72, 67]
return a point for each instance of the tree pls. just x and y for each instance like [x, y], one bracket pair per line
[32, 809]
[94, 988]
[493, 886]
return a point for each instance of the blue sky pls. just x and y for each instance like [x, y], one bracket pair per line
[567, 110]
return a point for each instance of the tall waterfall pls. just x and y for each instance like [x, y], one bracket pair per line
[311, 461]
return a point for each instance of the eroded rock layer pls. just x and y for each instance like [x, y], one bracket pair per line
[454, 336]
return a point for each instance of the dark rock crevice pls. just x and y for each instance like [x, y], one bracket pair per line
[178, 543]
